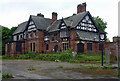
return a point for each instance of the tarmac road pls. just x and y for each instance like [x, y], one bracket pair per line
[44, 70]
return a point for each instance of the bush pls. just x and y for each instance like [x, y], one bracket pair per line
[64, 56]
[5, 76]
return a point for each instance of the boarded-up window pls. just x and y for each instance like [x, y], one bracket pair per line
[89, 46]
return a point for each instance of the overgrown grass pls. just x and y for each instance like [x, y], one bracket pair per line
[101, 67]
[60, 57]
[5, 76]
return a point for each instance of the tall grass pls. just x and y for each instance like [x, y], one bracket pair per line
[63, 56]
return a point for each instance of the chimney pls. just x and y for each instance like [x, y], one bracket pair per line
[41, 15]
[54, 17]
[81, 8]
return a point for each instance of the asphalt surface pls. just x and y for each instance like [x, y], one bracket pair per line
[45, 70]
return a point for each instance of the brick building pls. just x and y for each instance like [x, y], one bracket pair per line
[43, 35]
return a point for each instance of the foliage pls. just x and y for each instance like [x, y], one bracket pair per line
[5, 76]
[62, 57]
[100, 23]
[6, 36]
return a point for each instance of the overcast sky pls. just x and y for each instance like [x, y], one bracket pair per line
[14, 12]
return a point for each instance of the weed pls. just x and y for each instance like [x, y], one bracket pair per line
[5, 76]
[81, 65]
[60, 66]
[31, 69]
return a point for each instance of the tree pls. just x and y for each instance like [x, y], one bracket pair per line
[100, 23]
[6, 36]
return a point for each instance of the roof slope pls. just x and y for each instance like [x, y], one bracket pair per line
[87, 35]
[21, 28]
[40, 22]
[70, 21]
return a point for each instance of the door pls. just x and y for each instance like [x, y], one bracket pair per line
[18, 47]
[80, 47]
[56, 48]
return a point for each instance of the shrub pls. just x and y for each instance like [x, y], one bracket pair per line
[5, 76]
[65, 55]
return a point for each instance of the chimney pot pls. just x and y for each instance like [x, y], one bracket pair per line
[81, 8]
[41, 15]
[54, 17]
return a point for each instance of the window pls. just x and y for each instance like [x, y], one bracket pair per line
[65, 46]
[33, 47]
[54, 37]
[17, 37]
[89, 46]
[47, 47]
[14, 38]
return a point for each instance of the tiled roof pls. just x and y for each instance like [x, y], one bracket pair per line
[87, 35]
[21, 28]
[70, 21]
[40, 22]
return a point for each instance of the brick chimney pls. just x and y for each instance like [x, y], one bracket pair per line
[81, 8]
[41, 15]
[54, 17]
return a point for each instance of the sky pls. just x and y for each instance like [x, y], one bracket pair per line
[14, 12]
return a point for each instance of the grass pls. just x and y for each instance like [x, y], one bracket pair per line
[81, 65]
[60, 57]
[101, 67]
[60, 66]
[31, 69]
[5, 76]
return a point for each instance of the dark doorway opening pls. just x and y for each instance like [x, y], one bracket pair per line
[55, 48]
[80, 47]
[18, 47]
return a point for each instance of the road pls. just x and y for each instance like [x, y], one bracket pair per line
[47, 70]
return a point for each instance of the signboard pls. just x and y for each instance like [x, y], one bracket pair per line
[102, 37]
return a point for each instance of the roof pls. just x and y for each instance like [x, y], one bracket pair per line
[54, 26]
[70, 21]
[40, 22]
[87, 35]
[21, 28]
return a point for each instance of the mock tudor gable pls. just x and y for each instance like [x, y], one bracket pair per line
[44, 35]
